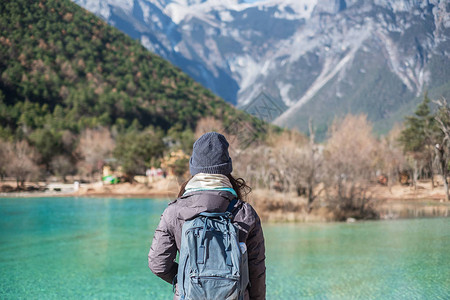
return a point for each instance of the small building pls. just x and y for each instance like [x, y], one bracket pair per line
[110, 176]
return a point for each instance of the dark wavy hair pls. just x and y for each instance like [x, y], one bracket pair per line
[239, 185]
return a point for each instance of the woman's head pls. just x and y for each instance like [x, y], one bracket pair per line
[210, 155]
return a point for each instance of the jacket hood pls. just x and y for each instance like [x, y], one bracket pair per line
[193, 203]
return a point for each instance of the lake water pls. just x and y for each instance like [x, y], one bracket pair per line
[52, 248]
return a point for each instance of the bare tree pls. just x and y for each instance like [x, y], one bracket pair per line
[443, 148]
[284, 155]
[389, 156]
[3, 157]
[312, 167]
[68, 140]
[21, 161]
[253, 165]
[62, 166]
[95, 145]
[208, 124]
[297, 164]
[443, 158]
[350, 160]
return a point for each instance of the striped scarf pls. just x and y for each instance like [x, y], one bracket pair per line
[204, 182]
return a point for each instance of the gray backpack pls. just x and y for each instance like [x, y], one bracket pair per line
[212, 263]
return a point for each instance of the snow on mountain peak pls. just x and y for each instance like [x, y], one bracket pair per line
[179, 10]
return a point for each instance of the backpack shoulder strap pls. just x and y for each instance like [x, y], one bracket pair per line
[230, 207]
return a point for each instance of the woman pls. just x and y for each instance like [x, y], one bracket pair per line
[211, 189]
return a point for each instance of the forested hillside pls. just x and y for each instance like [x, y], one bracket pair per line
[63, 70]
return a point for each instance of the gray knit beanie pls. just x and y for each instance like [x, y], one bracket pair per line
[210, 155]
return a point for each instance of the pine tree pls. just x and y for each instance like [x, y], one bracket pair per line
[419, 137]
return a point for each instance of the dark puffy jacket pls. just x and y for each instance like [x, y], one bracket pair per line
[167, 238]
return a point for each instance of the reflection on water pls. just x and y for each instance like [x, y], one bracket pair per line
[97, 248]
[411, 209]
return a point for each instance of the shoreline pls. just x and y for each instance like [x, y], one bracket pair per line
[161, 189]
[91, 195]
[396, 202]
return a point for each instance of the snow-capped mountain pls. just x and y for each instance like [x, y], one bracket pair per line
[321, 58]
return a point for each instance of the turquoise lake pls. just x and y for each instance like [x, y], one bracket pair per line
[53, 248]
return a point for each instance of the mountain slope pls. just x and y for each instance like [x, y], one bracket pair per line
[322, 58]
[381, 63]
[62, 68]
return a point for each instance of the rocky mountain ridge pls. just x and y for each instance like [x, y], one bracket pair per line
[321, 58]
